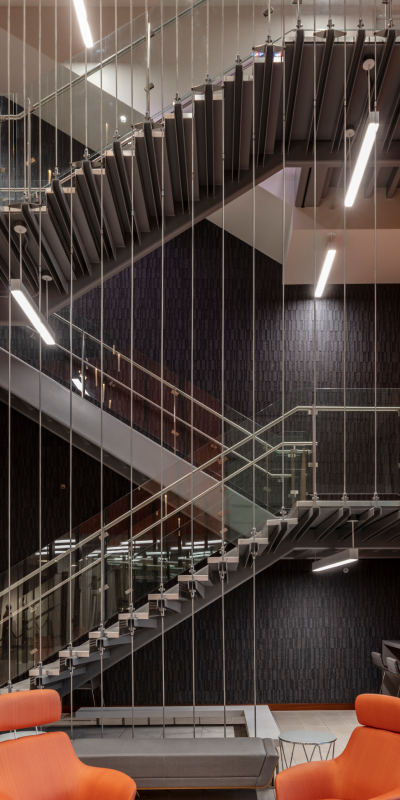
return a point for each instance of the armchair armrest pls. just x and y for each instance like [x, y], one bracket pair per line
[104, 784]
[308, 781]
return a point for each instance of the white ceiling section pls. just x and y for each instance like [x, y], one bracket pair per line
[303, 255]
[268, 228]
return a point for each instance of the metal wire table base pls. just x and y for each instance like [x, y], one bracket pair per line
[315, 746]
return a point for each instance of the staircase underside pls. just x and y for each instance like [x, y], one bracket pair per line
[126, 182]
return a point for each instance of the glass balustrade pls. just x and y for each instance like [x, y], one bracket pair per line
[109, 79]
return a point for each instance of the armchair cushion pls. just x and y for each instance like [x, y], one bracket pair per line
[20, 710]
[378, 711]
[313, 781]
[46, 768]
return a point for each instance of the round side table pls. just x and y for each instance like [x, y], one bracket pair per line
[303, 738]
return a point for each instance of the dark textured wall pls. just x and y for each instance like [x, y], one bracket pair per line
[299, 307]
[299, 344]
[315, 634]
[55, 501]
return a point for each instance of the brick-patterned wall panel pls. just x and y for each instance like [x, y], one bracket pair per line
[315, 635]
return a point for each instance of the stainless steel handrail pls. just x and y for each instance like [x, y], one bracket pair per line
[138, 535]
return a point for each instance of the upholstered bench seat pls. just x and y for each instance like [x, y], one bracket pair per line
[184, 763]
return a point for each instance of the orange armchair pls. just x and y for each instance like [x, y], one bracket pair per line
[369, 767]
[46, 767]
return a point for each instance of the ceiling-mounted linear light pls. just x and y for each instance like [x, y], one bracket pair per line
[83, 23]
[31, 310]
[330, 255]
[337, 560]
[363, 156]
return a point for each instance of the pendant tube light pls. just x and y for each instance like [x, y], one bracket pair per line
[330, 255]
[83, 23]
[337, 560]
[24, 300]
[363, 156]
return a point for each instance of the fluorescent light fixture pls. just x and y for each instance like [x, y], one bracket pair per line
[325, 272]
[31, 310]
[363, 157]
[337, 560]
[83, 23]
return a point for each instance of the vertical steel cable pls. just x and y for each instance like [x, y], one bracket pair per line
[26, 153]
[238, 29]
[208, 39]
[344, 260]
[176, 49]
[86, 130]
[116, 67]
[314, 416]
[102, 620]
[223, 565]
[146, 17]
[191, 387]
[40, 342]
[283, 253]
[375, 293]
[131, 605]
[254, 390]
[162, 353]
[9, 345]
[70, 371]
[56, 87]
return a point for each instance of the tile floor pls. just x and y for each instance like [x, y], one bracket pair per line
[340, 723]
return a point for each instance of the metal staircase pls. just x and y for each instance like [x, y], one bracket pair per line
[233, 149]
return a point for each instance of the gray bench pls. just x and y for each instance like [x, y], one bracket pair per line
[185, 763]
